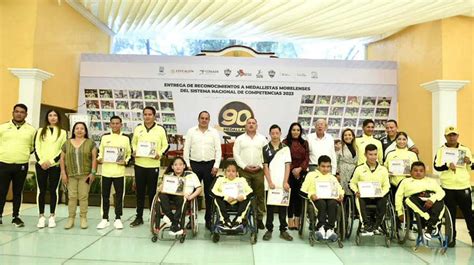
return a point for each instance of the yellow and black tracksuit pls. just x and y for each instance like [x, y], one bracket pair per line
[457, 186]
[398, 154]
[16, 145]
[363, 173]
[113, 173]
[327, 208]
[147, 169]
[48, 150]
[221, 200]
[415, 192]
[362, 142]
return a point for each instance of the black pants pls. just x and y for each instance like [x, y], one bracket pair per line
[146, 180]
[380, 204]
[119, 192]
[166, 201]
[203, 171]
[461, 198]
[223, 208]
[434, 212]
[15, 173]
[52, 176]
[281, 215]
[294, 209]
[327, 212]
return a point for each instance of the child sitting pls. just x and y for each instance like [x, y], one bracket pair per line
[192, 188]
[424, 196]
[327, 208]
[223, 201]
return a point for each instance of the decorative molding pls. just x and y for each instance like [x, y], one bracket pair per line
[31, 73]
[89, 16]
[444, 85]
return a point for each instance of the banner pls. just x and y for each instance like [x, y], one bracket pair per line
[273, 90]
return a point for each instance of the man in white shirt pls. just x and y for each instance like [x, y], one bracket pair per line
[388, 141]
[202, 153]
[248, 156]
[321, 143]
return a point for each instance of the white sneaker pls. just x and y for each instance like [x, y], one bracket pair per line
[118, 224]
[103, 224]
[321, 233]
[412, 235]
[41, 222]
[330, 235]
[166, 222]
[51, 222]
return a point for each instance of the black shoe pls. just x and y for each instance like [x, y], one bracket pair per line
[188, 225]
[138, 221]
[284, 235]
[18, 222]
[260, 225]
[267, 236]
[452, 244]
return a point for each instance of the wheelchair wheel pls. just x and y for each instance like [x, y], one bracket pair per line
[446, 230]
[155, 217]
[194, 218]
[403, 228]
[341, 222]
[154, 239]
[215, 237]
[349, 214]
[253, 238]
[340, 244]
[302, 218]
[389, 221]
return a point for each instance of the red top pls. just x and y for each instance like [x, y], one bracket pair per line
[299, 154]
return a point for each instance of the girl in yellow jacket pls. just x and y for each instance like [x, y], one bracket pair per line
[223, 200]
[401, 155]
[48, 143]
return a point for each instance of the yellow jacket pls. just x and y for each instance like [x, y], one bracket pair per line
[399, 154]
[309, 184]
[49, 148]
[364, 174]
[221, 181]
[362, 142]
[458, 180]
[16, 144]
[411, 186]
[112, 170]
[155, 134]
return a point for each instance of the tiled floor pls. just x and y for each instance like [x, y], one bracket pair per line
[29, 245]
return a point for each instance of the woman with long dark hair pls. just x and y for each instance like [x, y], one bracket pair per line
[78, 168]
[299, 165]
[347, 159]
[48, 143]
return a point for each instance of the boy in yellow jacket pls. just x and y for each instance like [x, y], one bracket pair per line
[327, 207]
[424, 196]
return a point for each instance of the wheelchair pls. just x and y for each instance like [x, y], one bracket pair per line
[249, 224]
[309, 210]
[158, 228]
[388, 223]
[445, 228]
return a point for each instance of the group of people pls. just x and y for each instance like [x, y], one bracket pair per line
[293, 164]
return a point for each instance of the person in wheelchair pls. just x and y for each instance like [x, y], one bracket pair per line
[422, 195]
[371, 171]
[327, 208]
[224, 201]
[191, 189]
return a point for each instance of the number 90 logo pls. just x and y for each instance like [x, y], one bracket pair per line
[233, 116]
